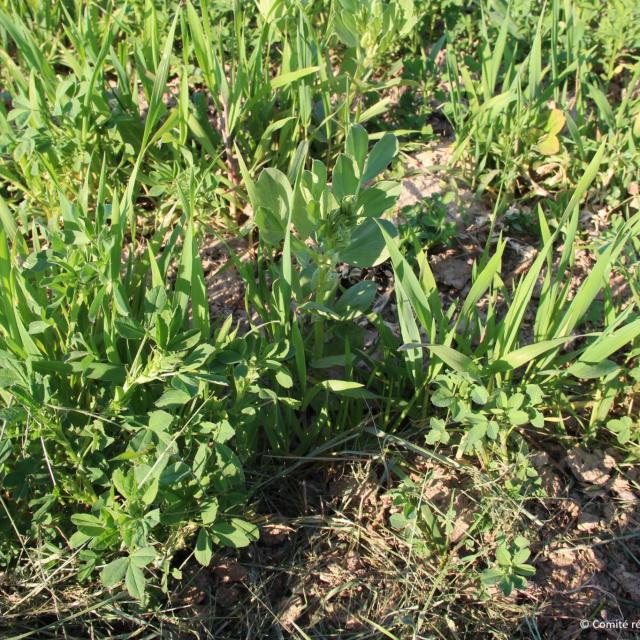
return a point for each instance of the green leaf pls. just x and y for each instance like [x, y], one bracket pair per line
[503, 556]
[376, 109]
[204, 547]
[88, 524]
[367, 247]
[173, 398]
[456, 360]
[517, 417]
[537, 420]
[356, 146]
[284, 379]
[506, 585]
[526, 570]
[123, 483]
[221, 432]
[135, 581]
[347, 388]
[515, 401]
[607, 344]
[442, 397]
[422, 305]
[185, 271]
[78, 539]
[592, 371]
[129, 329]
[521, 542]
[274, 198]
[114, 572]
[373, 201]
[585, 182]
[106, 372]
[474, 436]
[479, 395]
[490, 576]
[143, 556]
[356, 299]
[151, 491]
[209, 510]
[438, 432]
[346, 29]
[160, 420]
[7, 220]
[522, 555]
[398, 521]
[246, 178]
[383, 152]
[285, 79]
[587, 292]
[235, 533]
[344, 180]
[483, 280]
[199, 295]
[410, 334]
[522, 356]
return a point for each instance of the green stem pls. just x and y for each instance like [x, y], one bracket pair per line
[318, 326]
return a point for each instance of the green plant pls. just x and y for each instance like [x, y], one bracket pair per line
[505, 133]
[496, 124]
[511, 570]
[424, 529]
[325, 226]
[318, 226]
[119, 404]
[427, 224]
[372, 28]
[142, 432]
[490, 364]
[482, 415]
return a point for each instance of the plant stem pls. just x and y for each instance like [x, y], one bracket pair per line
[318, 327]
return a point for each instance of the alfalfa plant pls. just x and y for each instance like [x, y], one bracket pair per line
[510, 569]
[120, 401]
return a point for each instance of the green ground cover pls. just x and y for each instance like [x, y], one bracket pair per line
[243, 392]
